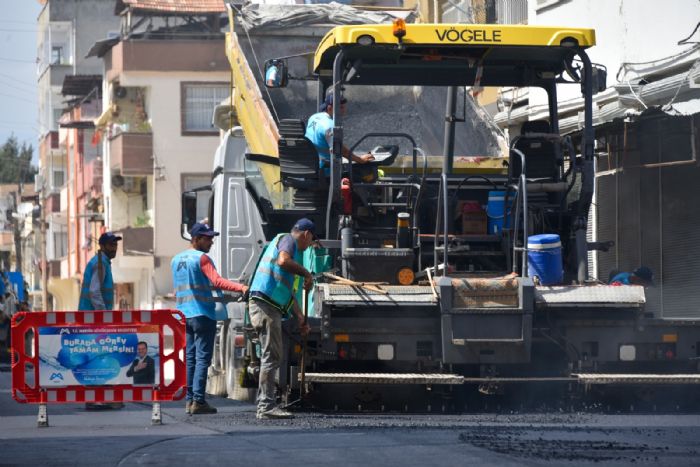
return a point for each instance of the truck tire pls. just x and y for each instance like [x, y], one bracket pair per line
[234, 373]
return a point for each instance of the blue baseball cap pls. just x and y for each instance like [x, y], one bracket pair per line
[108, 237]
[200, 229]
[305, 224]
[329, 101]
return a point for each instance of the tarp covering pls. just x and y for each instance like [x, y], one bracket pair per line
[256, 16]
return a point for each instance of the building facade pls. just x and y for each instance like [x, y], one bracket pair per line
[162, 82]
[66, 31]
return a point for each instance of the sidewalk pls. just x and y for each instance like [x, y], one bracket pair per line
[19, 421]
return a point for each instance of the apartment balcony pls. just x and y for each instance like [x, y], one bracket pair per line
[50, 146]
[131, 154]
[53, 203]
[54, 268]
[89, 178]
[157, 55]
[137, 241]
[52, 137]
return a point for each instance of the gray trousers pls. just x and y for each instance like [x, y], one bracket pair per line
[267, 321]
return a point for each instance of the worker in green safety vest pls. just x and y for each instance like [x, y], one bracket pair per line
[272, 295]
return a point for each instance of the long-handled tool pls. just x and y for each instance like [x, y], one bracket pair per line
[365, 285]
[302, 389]
[302, 363]
[432, 284]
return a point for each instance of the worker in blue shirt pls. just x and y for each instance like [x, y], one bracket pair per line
[273, 77]
[97, 291]
[319, 130]
[641, 276]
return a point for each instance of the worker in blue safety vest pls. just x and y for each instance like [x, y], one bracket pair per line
[272, 295]
[97, 290]
[197, 290]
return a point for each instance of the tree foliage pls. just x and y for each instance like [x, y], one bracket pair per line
[16, 162]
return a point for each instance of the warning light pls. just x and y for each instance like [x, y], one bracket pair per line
[239, 341]
[342, 337]
[405, 276]
[399, 28]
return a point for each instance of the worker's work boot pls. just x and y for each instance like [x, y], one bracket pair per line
[275, 413]
[201, 408]
[188, 407]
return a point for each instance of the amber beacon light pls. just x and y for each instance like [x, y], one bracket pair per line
[405, 276]
[399, 28]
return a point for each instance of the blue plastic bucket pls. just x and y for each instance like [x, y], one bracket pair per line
[495, 210]
[544, 258]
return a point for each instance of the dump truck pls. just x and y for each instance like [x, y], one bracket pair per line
[440, 274]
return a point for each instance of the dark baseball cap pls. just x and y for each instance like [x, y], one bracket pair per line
[108, 237]
[329, 101]
[200, 229]
[305, 224]
[645, 274]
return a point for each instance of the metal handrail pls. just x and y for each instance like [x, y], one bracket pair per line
[522, 190]
[442, 209]
[414, 208]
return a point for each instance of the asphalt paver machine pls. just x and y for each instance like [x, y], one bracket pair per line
[423, 282]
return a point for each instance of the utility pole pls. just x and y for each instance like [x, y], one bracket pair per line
[16, 232]
[17, 227]
[44, 262]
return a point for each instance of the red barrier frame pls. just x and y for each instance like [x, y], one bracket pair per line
[23, 322]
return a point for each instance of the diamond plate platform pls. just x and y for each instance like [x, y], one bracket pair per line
[590, 296]
[397, 295]
[594, 378]
[383, 378]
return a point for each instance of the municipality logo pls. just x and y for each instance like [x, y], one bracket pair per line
[56, 377]
[64, 331]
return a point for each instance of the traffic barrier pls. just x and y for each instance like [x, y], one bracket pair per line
[98, 357]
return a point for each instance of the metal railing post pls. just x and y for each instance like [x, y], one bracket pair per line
[522, 188]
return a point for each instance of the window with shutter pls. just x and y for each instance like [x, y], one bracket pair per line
[198, 103]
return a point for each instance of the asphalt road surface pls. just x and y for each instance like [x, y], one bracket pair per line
[76, 437]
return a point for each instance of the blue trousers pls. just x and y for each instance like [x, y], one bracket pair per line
[201, 332]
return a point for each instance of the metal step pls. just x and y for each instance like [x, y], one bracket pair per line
[383, 378]
[398, 295]
[606, 296]
[610, 378]
[441, 378]
[487, 310]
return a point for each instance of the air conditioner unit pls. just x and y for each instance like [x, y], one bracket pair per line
[127, 184]
[117, 181]
[119, 92]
